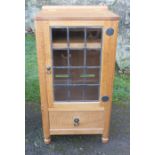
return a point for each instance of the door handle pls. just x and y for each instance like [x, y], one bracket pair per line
[76, 121]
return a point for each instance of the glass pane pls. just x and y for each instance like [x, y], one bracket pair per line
[93, 34]
[75, 76]
[61, 76]
[59, 35]
[93, 57]
[76, 35]
[91, 92]
[91, 76]
[60, 93]
[60, 57]
[76, 57]
[76, 93]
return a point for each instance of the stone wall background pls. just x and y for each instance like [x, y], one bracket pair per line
[121, 7]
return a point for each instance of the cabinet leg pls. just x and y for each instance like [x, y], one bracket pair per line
[47, 140]
[105, 140]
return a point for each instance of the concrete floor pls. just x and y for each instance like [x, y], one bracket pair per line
[119, 143]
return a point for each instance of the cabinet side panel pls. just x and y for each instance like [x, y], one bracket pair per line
[108, 71]
[42, 79]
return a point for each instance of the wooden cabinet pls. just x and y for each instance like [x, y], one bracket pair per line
[76, 48]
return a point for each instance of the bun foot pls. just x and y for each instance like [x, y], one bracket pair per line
[105, 140]
[47, 140]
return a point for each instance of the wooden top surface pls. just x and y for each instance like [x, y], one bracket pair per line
[76, 13]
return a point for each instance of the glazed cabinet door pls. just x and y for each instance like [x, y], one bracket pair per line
[76, 56]
[80, 62]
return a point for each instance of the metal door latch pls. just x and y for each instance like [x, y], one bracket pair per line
[49, 69]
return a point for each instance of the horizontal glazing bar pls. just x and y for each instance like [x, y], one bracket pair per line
[59, 27]
[59, 67]
[76, 100]
[82, 84]
[57, 49]
[69, 75]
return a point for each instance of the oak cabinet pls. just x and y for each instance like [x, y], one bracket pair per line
[76, 48]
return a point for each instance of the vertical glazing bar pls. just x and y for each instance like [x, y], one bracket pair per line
[52, 58]
[85, 61]
[52, 50]
[100, 62]
[85, 47]
[68, 64]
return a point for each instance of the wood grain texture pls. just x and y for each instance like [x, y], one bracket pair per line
[65, 119]
[76, 13]
[42, 77]
[108, 71]
[73, 131]
[48, 62]
[77, 23]
[74, 107]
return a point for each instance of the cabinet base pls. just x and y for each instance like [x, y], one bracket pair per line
[47, 140]
[105, 140]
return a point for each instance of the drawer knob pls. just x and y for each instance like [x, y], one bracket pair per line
[76, 121]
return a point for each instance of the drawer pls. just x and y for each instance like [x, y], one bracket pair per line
[76, 119]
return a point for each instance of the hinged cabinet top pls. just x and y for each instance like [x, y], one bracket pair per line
[76, 13]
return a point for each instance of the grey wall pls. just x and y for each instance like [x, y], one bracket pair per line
[121, 7]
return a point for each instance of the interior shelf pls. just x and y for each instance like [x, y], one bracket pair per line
[75, 43]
